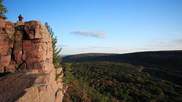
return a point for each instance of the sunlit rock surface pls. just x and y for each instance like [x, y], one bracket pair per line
[26, 52]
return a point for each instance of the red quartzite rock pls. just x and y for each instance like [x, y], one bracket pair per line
[37, 51]
[6, 43]
[10, 30]
[26, 50]
[5, 60]
[33, 29]
[11, 67]
[25, 42]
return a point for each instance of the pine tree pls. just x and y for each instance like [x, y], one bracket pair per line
[3, 9]
[56, 50]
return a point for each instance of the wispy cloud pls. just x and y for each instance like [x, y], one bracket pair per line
[90, 34]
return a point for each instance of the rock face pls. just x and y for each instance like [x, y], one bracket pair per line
[26, 52]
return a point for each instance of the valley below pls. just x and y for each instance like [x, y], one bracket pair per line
[134, 77]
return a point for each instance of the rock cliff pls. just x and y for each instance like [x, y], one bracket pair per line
[26, 54]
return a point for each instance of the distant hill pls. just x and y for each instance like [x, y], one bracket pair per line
[161, 64]
[153, 58]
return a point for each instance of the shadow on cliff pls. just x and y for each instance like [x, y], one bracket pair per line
[14, 86]
[4, 74]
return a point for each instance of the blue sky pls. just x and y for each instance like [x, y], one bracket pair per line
[106, 26]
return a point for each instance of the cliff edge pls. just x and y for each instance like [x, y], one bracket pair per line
[26, 66]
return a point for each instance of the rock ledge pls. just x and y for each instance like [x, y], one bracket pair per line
[26, 52]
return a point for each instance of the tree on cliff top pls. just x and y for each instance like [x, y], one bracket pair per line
[3, 9]
[56, 50]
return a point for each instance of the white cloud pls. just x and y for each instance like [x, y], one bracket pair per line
[90, 34]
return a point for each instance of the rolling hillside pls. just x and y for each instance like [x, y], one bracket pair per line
[160, 64]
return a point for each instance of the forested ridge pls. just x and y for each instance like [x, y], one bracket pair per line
[103, 81]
